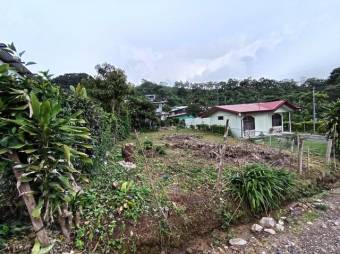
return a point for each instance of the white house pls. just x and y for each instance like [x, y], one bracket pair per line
[159, 106]
[248, 120]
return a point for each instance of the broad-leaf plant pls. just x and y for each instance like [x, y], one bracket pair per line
[42, 147]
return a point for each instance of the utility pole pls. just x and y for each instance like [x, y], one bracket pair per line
[314, 110]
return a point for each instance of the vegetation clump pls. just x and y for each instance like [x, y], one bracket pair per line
[259, 187]
[148, 144]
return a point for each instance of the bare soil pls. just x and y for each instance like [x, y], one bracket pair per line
[236, 153]
[312, 227]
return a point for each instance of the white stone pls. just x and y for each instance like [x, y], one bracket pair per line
[281, 222]
[336, 223]
[269, 231]
[267, 222]
[256, 228]
[279, 227]
[127, 165]
[237, 242]
[309, 223]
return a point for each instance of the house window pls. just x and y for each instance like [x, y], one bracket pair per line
[220, 118]
[276, 120]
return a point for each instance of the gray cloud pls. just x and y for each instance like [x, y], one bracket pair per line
[178, 40]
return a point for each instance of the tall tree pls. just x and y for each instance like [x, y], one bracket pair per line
[110, 87]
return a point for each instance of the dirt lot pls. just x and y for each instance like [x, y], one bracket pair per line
[312, 227]
[187, 174]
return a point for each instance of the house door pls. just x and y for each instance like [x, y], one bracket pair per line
[248, 126]
[276, 123]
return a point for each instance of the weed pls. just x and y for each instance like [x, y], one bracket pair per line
[148, 144]
[310, 216]
[160, 150]
[112, 199]
[320, 206]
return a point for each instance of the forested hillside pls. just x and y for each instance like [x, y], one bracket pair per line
[248, 90]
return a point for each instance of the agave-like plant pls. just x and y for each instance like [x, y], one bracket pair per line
[259, 187]
[40, 147]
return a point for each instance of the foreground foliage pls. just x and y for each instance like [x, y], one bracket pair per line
[111, 202]
[261, 188]
[41, 147]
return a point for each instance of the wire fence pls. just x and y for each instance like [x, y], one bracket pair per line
[289, 142]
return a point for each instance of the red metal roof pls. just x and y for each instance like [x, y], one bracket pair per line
[252, 107]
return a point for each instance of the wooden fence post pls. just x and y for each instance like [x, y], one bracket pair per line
[300, 139]
[292, 145]
[329, 151]
[334, 160]
[222, 155]
[308, 162]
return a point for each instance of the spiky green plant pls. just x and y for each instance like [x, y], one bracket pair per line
[259, 187]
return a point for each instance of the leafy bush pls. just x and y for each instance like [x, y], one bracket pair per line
[259, 187]
[105, 128]
[41, 145]
[148, 144]
[160, 150]
[112, 201]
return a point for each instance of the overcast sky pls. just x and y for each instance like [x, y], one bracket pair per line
[195, 40]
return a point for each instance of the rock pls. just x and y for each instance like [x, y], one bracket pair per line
[127, 165]
[279, 227]
[336, 223]
[267, 222]
[189, 250]
[309, 223]
[281, 222]
[256, 228]
[269, 231]
[237, 242]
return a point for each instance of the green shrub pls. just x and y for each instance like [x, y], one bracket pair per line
[259, 187]
[148, 144]
[160, 150]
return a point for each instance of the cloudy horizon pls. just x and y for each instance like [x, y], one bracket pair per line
[165, 41]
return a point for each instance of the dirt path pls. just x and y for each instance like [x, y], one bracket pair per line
[312, 226]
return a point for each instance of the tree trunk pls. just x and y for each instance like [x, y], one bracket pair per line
[25, 191]
[63, 227]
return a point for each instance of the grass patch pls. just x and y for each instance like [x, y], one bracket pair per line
[310, 216]
[315, 147]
